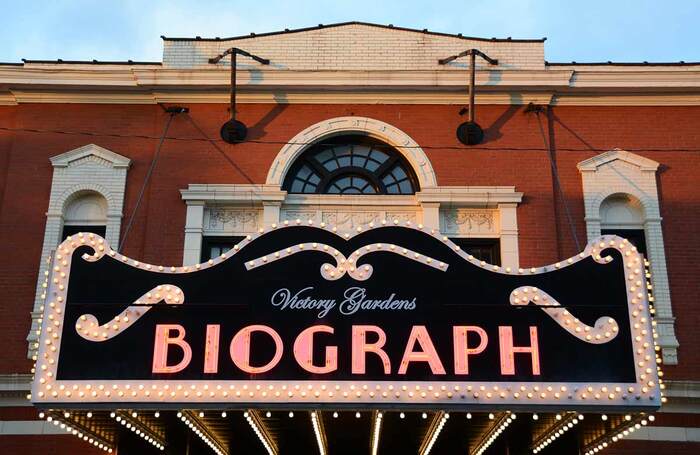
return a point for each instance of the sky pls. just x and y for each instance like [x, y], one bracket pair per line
[582, 31]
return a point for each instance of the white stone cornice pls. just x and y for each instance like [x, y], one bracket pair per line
[640, 79]
[471, 196]
[52, 76]
[65, 159]
[224, 193]
[349, 78]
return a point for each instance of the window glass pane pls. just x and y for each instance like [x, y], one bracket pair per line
[331, 164]
[361, 150]
[325, 156]
[304, 172]
[297, 186]
[379, 156]
[213, 247]
[487, 250]
[344, 161]
[328, 167]
[398, 173]
[371, 165]
[343, 182]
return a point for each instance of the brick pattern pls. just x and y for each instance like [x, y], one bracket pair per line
[46, 445]
[517, 159]
[354, 47]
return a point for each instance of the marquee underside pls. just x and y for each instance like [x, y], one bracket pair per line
[346, 431]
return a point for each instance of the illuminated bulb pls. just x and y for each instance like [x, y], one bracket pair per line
[223, 414]
[604, 417]
[469, 415]
[268, 414]
[291, 414]
[357, 415]
[424, 415]
[402, 415]
[535, 417]
[335, 415]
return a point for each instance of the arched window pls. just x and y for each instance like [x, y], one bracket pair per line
[351, 164]
[86, 212]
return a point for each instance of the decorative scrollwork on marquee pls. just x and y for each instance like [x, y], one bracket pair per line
[88, 327]
[347, 265]
[604, 330]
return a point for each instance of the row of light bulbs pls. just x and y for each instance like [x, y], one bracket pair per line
[317, 425]
[629, 265]
[99, 244]
[376, 430]
[565, 424]
[436, 433]
[506, 420]
[315, 391]
[195, 427]
[82, 434]
[560, 428]
[271, 450]
[621, 432]
[139, 430]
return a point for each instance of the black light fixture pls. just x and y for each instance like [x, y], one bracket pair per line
[469, 132]
[233, 130]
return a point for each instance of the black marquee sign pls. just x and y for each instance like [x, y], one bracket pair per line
[302, 315]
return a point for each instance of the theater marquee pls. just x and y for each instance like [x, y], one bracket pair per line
[301, 315]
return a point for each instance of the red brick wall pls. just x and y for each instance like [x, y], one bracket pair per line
[511, 155]
[46, 445]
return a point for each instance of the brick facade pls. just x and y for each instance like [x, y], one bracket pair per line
[517, 152]
[514, 157]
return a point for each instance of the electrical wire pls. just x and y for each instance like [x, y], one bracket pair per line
[285, 143]
[555, 173]
[146, 180]
[216, 146]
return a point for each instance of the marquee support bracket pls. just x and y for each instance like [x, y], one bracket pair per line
[469, 132]
[234, 131]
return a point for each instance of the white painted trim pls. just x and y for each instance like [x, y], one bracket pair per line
[672, 434]
[404, 144]
[89, 168]
[592, 164]
[621, 172]
[64, 159]
[29, 427]
[274, 205]
[517, 97]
